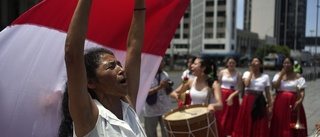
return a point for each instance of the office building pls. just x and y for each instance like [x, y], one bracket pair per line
[208, 28]
[284, 20]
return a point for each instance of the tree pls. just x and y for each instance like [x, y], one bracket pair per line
[279, 49]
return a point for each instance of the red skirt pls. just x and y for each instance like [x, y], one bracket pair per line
[218, 124]
[227, 116]
[282, 117]
[244, 127]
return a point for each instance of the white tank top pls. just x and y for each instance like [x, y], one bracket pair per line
[199, 97]
[229, 82]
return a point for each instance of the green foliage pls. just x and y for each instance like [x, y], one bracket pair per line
[273, 49]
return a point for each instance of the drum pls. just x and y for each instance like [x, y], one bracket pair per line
[190, 121]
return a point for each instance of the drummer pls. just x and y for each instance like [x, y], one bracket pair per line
[204, 88]
[202, 85]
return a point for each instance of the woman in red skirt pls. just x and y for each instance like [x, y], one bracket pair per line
[252, 118]
[289, 97]
[231, 86]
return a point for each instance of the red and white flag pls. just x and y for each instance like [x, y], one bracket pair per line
[32, 68]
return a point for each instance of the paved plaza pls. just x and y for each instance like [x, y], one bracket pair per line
[311, 101]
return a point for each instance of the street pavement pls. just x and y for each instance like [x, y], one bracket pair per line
[311, 101]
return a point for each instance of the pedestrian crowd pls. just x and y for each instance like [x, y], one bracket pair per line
[259, 114]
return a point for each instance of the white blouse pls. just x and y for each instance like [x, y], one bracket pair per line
[108, 125]
[290, 86]
[257, 84]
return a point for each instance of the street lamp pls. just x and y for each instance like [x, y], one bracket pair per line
[267, 40]
[311, 35]
[316, 41]
[296, 25]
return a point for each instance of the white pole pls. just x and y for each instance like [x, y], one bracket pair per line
[296, 25]
[316, 43]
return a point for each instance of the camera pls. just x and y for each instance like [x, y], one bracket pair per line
[170, 82]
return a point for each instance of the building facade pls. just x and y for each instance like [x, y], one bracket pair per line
[284, 20]
[207, 28]
[247, 43]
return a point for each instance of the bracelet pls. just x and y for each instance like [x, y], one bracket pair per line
[139, 9]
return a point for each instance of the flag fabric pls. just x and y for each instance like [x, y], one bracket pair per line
[32, 67]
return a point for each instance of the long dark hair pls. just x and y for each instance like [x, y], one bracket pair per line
[228, 60]
[192, 58]
[210, 71]
[261, 62]
[290, 59]
[92, 61]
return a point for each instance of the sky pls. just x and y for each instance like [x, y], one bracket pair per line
[310, 19]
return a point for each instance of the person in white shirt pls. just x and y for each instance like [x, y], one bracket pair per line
[252, 119]
[101, 94]
[153, 110]
[288, 101]
[187, 72]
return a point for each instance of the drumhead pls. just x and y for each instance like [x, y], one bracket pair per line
[187, 113]
[191, 113]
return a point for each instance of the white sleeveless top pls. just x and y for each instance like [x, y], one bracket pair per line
[199, 97]
[290, 86]
[108, 125]
[227, 82]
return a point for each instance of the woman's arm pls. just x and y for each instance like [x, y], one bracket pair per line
[270, 102]
[247, 80]
[240, 83]
[181, 89]
[267, 91]
[163, 84]
[134, 50]
[82, 109]
[300, 94]
[277, 83]
[299, 99]
[216, 90]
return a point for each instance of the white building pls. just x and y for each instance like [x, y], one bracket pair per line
[208, 27]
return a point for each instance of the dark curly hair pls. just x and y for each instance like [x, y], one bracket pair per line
[210, 71]
[92, 61]
[261, 62]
